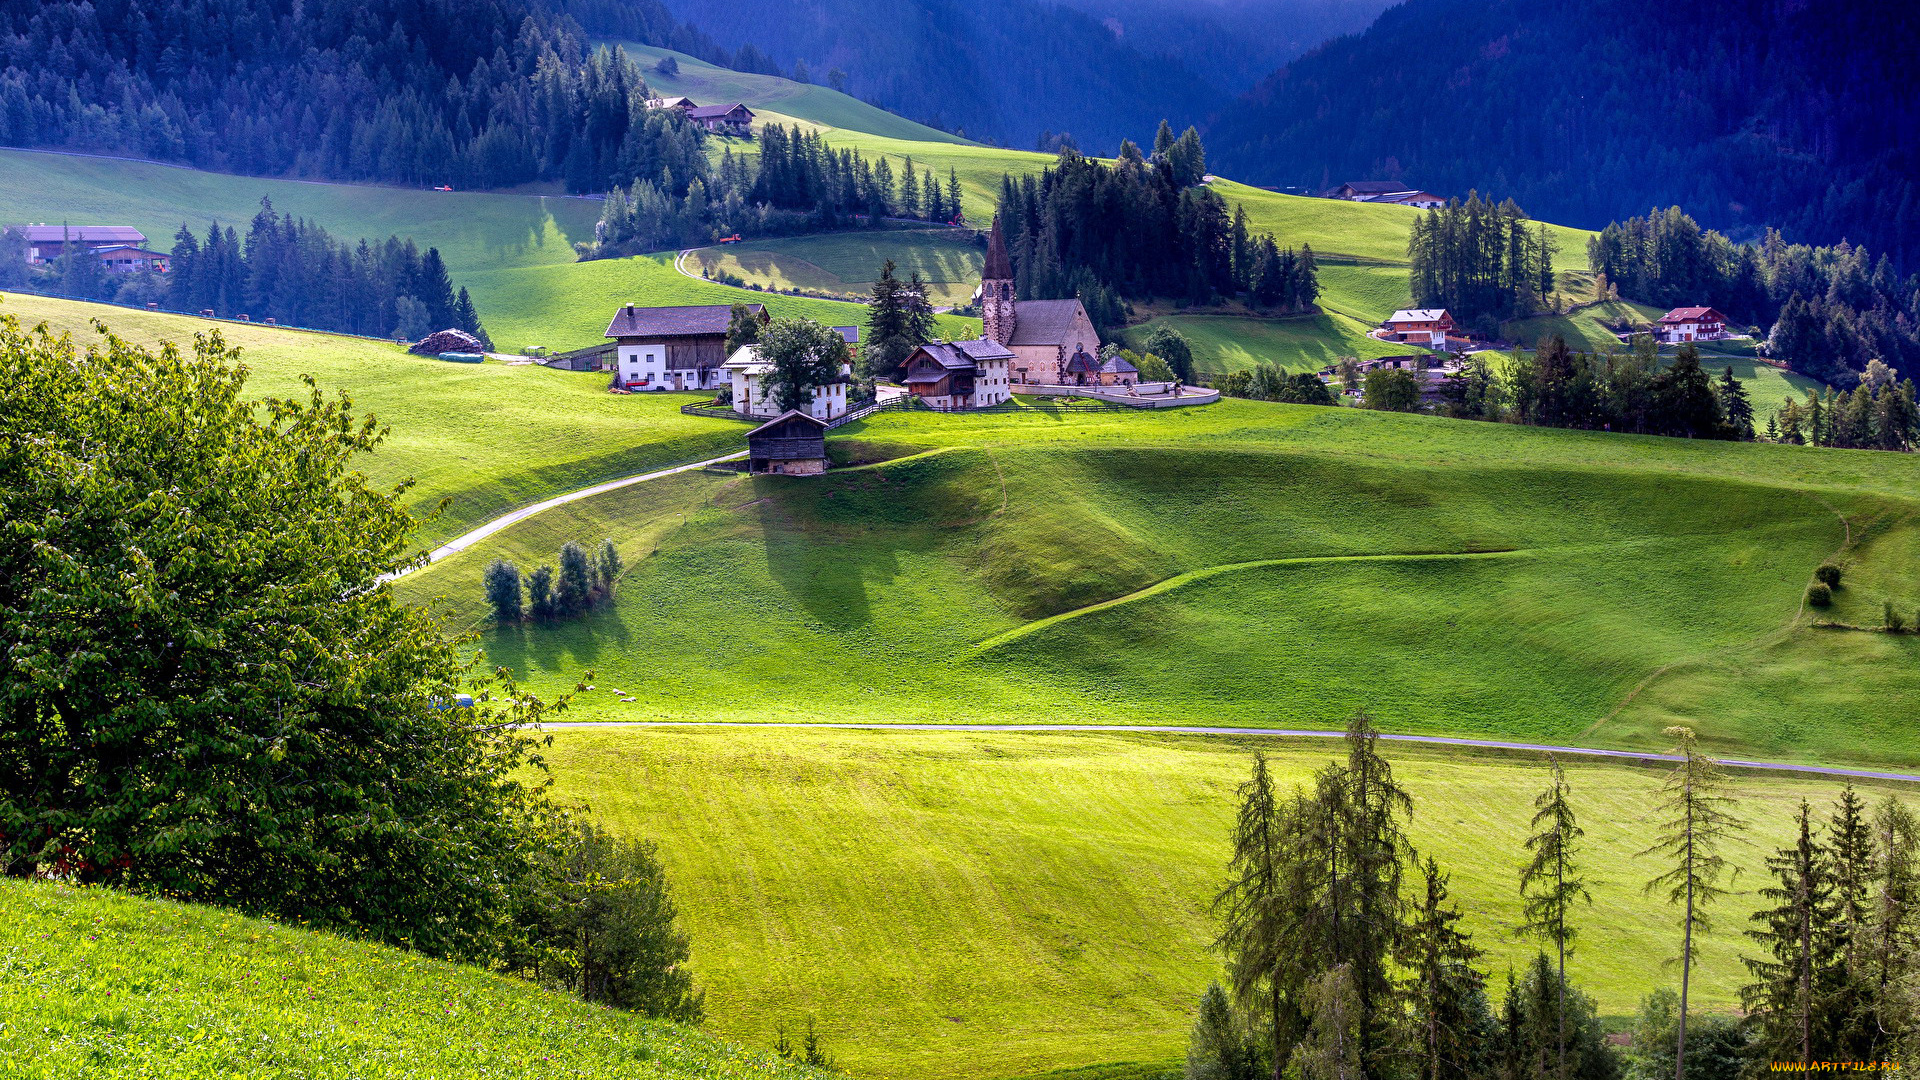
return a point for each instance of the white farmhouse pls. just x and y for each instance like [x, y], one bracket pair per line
[747, 374]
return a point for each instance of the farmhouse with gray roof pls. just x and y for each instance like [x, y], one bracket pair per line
[672, 348]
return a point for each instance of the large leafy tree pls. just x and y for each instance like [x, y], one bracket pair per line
[209, 692]
[804, 356]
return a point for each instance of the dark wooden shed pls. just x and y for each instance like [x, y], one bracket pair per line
[792, 444]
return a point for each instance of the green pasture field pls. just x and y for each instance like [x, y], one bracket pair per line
[488, 437]
[708, 84]
[1228, 343]
[473, 230]
[564, 307]
[961, 905]
[95, 983]
[846, 263]
[1246, 564]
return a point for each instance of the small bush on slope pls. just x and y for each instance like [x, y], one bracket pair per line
[99, 984]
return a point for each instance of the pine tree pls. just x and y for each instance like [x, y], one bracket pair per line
[540, 593]
[1551, 883]
[955, 209]
[1736, 406]
[1697, 818]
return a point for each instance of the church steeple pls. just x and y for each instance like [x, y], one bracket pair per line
[996, 288]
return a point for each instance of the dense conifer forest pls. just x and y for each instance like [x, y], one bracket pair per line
[796, 183]
[485, 94]
[1143, 228]
[1832, 309]
[1793, 115]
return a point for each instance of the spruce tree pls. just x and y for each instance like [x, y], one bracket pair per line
[540, 593]
[607, 567]
[1551, 883]
[503, 591]
[1442, 984]
[1258, 931]
[1790, 996]
[574, 591]
[1696, 819]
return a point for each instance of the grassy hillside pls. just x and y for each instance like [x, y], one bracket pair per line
[971, 905]
[1227, 343]
[846, 263]
[709, 84]
[98, 984]
[473, 230]
[1249, 564]
[568, 306]
[488, 437]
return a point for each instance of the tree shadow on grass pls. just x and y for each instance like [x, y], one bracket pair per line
[828, 575]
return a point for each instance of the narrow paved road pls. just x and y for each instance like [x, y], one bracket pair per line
[466, 540]
[1287, 733]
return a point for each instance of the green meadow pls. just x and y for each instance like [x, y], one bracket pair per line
[847, 263]
[1227, 343]
[822, 106]
[563, 307]
[1248, 564]
[473, 230]
[961, 905]
[95, 983]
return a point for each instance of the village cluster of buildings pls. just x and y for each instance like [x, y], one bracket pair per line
[1027, 344]
[121, 249]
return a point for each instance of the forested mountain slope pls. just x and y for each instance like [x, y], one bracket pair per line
[1791, 113]
[1003, 70]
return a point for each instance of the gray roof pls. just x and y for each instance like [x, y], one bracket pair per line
[1375, 187]
[1118, 365]
[1425, 314]
[701, 320]
[92, 234]
[950, 357]
[848, 334]
[714, 112]
[1043, 322]
[790, 414]
[984, 349]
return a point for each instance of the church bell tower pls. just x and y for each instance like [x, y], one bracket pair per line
[996, 288]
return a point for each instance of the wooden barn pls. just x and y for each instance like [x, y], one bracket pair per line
[673, 348]
[791, 444]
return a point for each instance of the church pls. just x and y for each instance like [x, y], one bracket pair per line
[1043, 335]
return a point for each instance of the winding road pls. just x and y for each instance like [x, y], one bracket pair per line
[1277, 733]
[466, 540]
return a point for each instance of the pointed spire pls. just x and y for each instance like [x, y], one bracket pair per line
[999, 267]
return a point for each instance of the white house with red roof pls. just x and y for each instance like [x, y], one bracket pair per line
[1692, 324]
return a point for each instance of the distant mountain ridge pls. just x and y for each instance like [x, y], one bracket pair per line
[1797, 114]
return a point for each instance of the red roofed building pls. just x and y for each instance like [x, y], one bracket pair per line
[1692, 324]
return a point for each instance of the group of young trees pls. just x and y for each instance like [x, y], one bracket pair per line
[1143, 228]
[796, 183]
[228, 653]
[429, 92]
[1345, 959]
[1832, 309]
[1481, 261]
[541, 595]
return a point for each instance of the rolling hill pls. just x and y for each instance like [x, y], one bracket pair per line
[96, 983]
[1250, 563]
